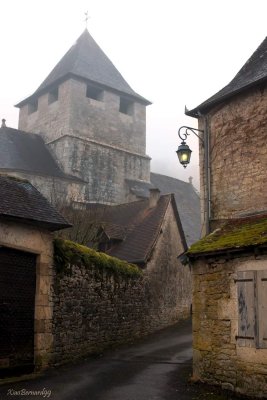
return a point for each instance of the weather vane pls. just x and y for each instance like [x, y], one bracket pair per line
[86, 18]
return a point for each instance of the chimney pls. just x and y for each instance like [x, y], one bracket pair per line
[190, 180]
[153, 197]
[3, 123]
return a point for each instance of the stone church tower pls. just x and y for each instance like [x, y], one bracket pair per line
[93, 123]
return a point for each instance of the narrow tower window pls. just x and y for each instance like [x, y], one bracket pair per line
[53, 96]
[33, 106]
[126, 106]
[94, 93]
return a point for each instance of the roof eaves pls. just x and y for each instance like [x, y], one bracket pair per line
[69, 75]
[235, 235]
[156, 235]
[38, 173]
[227, 252]
[49, 225]
[43, 90]
[206, 106]
[178, 221]
[140, 263]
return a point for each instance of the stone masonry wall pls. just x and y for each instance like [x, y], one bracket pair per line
[105, 168]
[217, 358]
[238, 155]
[49, 120]
[169, 281]
[75, 114]
[94, 309]
[92, 139]
[102, 121]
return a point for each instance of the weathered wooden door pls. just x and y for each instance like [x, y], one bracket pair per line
[17, 300]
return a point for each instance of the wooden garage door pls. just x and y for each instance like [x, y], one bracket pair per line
[17, 299]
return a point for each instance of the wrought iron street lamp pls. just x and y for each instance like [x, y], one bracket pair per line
[184, 152]
[184, 155]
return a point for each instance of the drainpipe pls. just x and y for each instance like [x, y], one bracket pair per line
[207, 172]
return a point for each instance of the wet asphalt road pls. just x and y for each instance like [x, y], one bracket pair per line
[155, 368]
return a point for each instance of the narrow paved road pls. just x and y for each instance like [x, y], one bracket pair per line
[155, 368]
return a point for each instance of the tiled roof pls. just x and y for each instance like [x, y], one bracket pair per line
[114, 231]
[86, 60]
[140, 225]
[20, 201]
[251, 74]
[27, 152]
[235, 235]
[139, 188]
[187, 202]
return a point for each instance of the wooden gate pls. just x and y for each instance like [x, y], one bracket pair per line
[17, 301]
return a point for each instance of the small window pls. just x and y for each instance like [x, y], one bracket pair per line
[53, 96]
[126, 106]
[94, 93]
[33, 106]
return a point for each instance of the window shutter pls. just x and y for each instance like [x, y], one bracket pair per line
[247, 324]
[262, 308]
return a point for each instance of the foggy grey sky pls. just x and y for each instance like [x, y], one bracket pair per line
[172, 52]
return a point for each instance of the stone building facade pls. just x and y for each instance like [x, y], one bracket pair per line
[26, 269]
[92, 121]
[237, 156]
[236, 367]
[104, 168]
[82, 139]
[235, 121]
[229, 269]
[229, 265]
[219, 355]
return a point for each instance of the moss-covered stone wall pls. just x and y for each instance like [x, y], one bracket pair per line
[100, 301]
[217, 356]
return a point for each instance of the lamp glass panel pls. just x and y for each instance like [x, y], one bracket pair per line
[184, 156]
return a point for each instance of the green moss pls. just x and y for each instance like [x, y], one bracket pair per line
[14, 178]
[235, 234]
[68, 253]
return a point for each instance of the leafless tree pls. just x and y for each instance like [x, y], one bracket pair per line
[86, 223]
[86, 218]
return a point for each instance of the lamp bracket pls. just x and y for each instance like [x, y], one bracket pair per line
[186, 133]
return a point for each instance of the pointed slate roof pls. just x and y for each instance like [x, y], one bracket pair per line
[27, 152]
[86, 60]
[252, 73]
